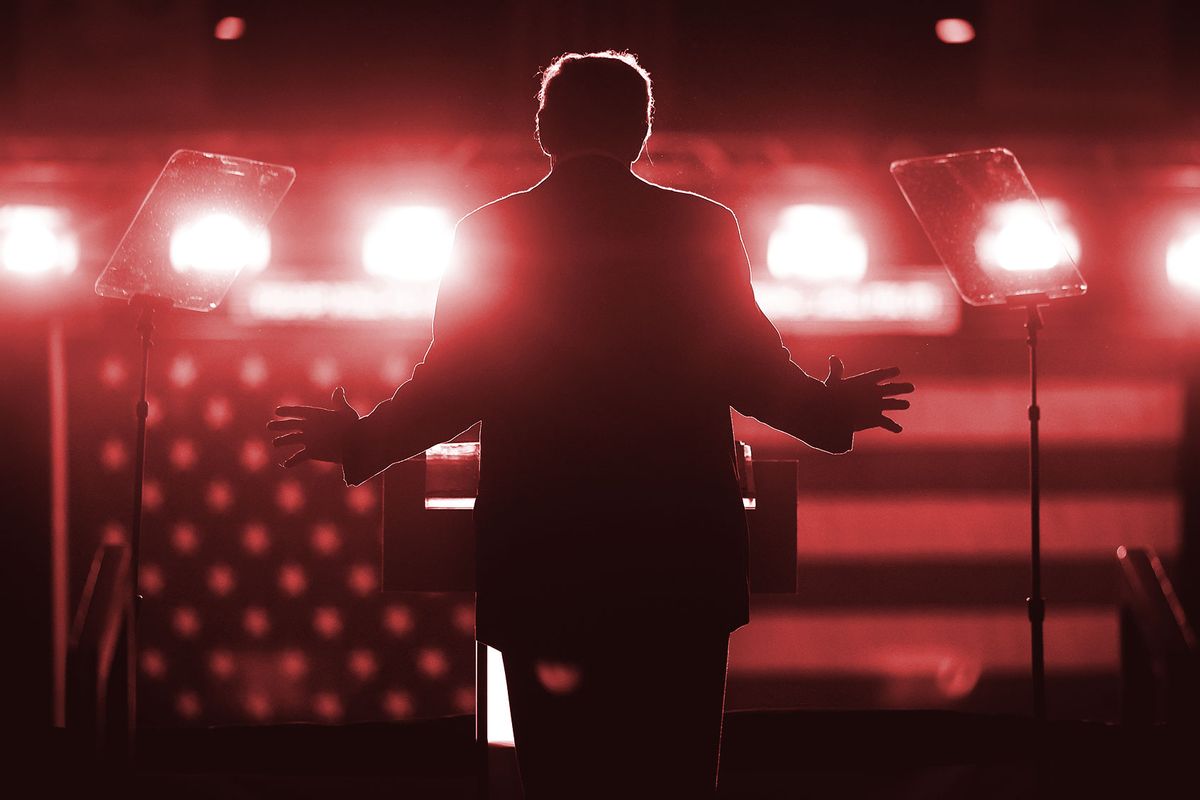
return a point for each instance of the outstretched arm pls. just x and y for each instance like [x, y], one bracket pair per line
[767, 385]
[441, 400]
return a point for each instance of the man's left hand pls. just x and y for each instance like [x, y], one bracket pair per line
[865, 398]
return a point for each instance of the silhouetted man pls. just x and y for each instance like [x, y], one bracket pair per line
[601, 327]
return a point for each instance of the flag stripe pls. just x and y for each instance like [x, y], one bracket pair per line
[948, 526]
[963, 583]
[993, 412]
[918, 643]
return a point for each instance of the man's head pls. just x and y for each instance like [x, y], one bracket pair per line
[595, 102]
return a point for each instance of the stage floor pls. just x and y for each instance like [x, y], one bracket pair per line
[766, 754]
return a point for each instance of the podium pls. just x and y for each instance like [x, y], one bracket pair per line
[429, 538]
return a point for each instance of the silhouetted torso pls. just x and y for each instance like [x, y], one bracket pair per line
[601, 327]
[606, 486]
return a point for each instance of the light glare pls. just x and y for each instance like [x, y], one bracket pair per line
[1183, 261]
[339, 300]
[817, 243]
[1021, 237]
[36, 240]
[409, 243]
[230, 29]
[219, 243]
[499, 714]
[954, 30]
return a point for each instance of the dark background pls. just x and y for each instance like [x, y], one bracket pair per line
[1099, 100]
[791, 68]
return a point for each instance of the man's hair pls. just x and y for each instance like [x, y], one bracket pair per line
[595, 101]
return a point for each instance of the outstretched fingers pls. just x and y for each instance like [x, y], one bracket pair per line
[836, 370]
[877, 375]
[304, 412]
[288, 438]
[888, 424]
[286, 425]
[296, 458]
[893, 389]
[894, 405]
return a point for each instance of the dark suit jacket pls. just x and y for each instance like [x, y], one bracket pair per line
[600, 327]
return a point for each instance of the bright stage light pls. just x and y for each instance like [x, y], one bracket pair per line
[817, 243]
[954, 31]
[1018, 237]
[219, 243]
[230, 29]
[36, 239]
[409, 243]
[1183, 261]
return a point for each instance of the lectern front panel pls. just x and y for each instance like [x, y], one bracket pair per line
[429, 535]
[424, 549]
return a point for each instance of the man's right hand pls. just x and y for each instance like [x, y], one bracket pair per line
[320, 432]
[864, 398]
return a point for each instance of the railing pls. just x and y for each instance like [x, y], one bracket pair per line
[1160, 664]
[100, 688]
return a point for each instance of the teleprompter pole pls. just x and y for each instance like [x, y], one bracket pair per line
[1035, 603]
[145, 327]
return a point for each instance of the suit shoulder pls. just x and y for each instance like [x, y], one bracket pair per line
[500, 208]
[484, 238]
[691, 201]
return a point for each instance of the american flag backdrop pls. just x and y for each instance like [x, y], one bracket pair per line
[262, 585]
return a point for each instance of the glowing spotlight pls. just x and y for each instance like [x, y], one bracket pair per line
[230, 29]
[409, 243]
[954, 31]
[219, 243]
[36, 240]
[817, 243]
[1183, 261]
[1019, 237]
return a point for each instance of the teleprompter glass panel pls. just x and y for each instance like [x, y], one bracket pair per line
[988, 226]
[203, 221]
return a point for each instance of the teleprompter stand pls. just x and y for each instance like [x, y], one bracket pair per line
[148, 305]
[1001, 248]
[1032, 305]
[101, 668]
[165, 260]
